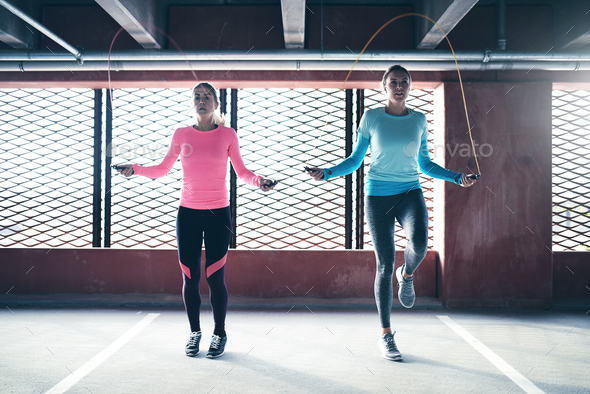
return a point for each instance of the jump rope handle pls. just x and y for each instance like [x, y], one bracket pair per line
[116, 167]
[306, 168]
[272, 184]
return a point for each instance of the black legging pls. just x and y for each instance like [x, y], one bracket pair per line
[215, 225]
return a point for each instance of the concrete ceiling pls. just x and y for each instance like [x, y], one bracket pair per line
[146, 20]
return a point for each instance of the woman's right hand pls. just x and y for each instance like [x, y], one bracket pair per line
[467, 180]
[127, 171]
[316, 173]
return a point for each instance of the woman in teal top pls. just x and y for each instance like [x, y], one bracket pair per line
[398, 139]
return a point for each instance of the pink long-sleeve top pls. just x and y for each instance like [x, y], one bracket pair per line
[203, 155]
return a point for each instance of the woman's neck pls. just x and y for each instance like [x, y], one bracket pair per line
[400, 109]
[205, 124]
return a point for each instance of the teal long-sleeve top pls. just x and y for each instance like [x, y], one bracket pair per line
[399, 147]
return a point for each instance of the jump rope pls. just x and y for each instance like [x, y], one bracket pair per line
[474, 176]
[306, 168]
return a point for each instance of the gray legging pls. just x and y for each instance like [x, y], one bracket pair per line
[410, 211]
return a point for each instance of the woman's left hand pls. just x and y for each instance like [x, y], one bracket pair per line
[267, 184]
[468, 180]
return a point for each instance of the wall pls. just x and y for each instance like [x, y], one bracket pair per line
[571, 275]
[496, 249]
[257, 273]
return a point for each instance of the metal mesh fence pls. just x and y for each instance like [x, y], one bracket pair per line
[46, 171]
[47, 174]
[421, 100]
[571, 170]
[144, 120]
[280, 131]
[47, 157]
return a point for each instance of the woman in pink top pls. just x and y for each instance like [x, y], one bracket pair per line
[204, 208]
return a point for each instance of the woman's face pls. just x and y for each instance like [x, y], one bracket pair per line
[204, 101]
[397, 86]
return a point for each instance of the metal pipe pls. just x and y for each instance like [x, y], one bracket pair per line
[96, 197]
[233, 178]
[295, 55]
[16, 11]
[322, 26]
[501, 26]
[360, 178]
[107, 167]
[373, 66]
[348, 178]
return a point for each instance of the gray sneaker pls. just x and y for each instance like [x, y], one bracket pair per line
[217, 347]
[389, 348]
[405, 294]
[192, 346]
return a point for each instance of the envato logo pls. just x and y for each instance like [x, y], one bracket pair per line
[461, 150]
[129, 151]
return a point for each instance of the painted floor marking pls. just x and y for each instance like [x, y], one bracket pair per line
[85, 369]
[492, 357]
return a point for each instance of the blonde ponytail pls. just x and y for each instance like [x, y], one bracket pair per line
[219, 118]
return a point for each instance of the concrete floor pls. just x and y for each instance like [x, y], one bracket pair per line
[296, 352]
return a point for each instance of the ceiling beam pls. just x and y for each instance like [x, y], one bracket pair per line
[578, 42]
[137, 17]
[447, 13]
[13, 30]
[570, 25]
[293, 12]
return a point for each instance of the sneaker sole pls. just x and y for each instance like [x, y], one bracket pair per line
[219, 355]
[393, 358]
[405, 306]
[192, 355]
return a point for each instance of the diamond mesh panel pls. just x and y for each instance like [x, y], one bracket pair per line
[280, 131]
[421, 100]
[570, 167]
[144, 210]
[46, 145]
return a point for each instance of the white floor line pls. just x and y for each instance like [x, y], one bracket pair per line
[502, 365]
[85, 369]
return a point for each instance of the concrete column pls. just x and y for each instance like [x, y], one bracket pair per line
[495, 251]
